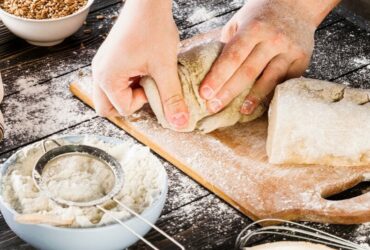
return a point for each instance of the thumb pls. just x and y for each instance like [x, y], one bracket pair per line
[170, 91]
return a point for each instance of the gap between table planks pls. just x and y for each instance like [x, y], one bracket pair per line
[237, 169]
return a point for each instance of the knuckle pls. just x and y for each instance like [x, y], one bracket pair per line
[304, 54]
[255, 25]
[173, 100]
[278, 37]
[234, 55]
[250, 71]
[227, 95]
[233, 51]
[276, 69]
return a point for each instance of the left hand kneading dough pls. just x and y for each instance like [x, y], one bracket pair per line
[193, 65]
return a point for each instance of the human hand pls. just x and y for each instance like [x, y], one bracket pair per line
[266, 42]
[144, 41]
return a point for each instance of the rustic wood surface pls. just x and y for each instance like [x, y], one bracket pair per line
[38, 105]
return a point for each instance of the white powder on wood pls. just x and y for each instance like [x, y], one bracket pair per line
[362, 235]
[141, 185]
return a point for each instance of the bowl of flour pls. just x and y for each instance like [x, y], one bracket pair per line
[79, 178]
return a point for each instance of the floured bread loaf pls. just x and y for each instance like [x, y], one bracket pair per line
[193, 65]
[289, 245]
[319, 122]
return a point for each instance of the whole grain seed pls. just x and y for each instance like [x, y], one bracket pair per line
[42, 9]
[87, 31]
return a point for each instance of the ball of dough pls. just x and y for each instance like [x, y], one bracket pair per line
[193, 65]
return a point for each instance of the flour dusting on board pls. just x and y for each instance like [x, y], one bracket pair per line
[362, 235]
[359, 61]
[200, 14]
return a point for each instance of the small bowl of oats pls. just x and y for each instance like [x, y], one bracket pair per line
[44, 22]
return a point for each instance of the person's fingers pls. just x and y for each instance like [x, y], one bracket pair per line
[298, 66]
[230, 59]
[169, 87]
[102, 105]
[274, 73]
[244, 77]
[123, 98]
[138, 99]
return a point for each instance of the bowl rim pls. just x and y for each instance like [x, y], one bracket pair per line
[164, 188]
[78, 12]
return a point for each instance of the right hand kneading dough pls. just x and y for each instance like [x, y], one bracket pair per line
[193, 65]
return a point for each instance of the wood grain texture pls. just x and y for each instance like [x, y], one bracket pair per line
[201, 220]
[339, 49]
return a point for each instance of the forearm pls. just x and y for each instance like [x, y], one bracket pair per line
[143, 7]
[141, 14]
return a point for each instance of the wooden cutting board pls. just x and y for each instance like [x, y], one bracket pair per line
[232, 163]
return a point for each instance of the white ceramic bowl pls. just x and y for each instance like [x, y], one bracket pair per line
[109, 237]
[45, 32]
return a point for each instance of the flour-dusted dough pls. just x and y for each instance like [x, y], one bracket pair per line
[289, 245]
[319, 122]
[193, 65]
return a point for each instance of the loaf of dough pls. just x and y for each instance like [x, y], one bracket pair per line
[319, 122]
[193, 65]
[289, 245]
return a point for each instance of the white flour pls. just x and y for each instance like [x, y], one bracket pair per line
[141, 185]
[78, 178]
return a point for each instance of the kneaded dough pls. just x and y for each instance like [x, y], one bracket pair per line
[289, 245]
[319, 122]
[193, 65]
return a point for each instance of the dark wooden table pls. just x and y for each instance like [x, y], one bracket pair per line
[38, 104]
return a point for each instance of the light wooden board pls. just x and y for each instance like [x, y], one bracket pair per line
[232, 163]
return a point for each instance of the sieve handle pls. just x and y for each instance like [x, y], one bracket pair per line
[150, 224]
[127, 227]
[51, 140]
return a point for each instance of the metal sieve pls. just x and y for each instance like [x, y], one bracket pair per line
[110, 162]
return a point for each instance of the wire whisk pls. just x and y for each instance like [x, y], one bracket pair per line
[296, 231]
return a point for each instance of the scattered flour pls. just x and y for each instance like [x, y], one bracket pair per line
[199, 15]
[141, 185]
[362, 235]
[25, 82]
[361, 61]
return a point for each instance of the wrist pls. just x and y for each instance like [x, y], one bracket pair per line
[312, 11]
[162, 6]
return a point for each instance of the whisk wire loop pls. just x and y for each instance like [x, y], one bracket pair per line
[294, 230]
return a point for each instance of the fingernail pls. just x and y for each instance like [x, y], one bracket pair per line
[247, 107]
[179, 119]
[215, 105]
[207, 92]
